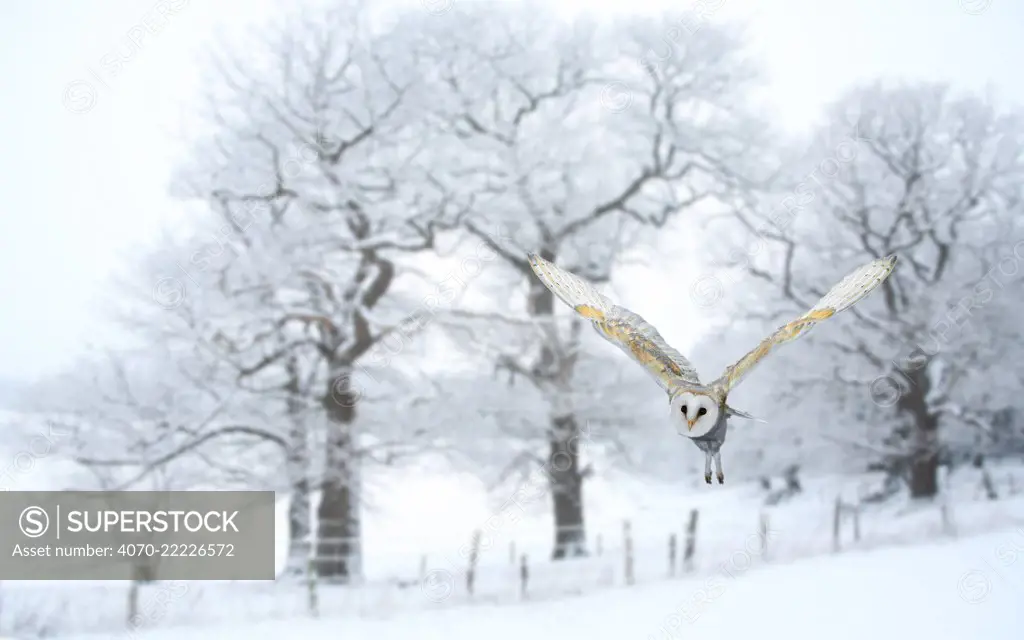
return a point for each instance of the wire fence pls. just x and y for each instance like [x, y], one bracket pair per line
[497, 567]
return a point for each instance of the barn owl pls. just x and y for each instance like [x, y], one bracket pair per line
[698, 411]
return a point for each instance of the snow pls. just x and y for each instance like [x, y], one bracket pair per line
[957, 590]
[729, 553]
[421, 522]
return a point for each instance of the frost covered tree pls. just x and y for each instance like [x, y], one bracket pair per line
[936, 179]
[154, 418]
[572, 135]
[316, 168]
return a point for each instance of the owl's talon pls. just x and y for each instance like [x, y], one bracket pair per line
[721, 478]
[707, 478]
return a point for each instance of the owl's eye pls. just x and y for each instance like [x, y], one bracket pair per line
[701, 411]
[684, 409]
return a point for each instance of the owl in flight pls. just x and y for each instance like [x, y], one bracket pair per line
[699, 411]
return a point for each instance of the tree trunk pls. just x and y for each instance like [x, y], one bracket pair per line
[924, 463]
[298, 528]
[924, 476]
[339, 545]
[563, 469]
[337, 519]
[297, 468]
[566, 482]
[299, 542]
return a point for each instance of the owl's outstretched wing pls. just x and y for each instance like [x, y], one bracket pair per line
[620, 326]
[848, 292]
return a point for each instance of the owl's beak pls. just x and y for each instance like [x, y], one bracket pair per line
[689, 424]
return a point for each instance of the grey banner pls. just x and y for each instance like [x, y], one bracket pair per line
[137, 535]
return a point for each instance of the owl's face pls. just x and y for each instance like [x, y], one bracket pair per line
[693, 414]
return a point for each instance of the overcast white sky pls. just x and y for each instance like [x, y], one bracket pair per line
[78, 189]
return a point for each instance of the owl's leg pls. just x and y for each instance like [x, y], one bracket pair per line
[707, 467]
[718, 467]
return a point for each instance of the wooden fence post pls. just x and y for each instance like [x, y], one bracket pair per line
[628, 548]
[672, 555]
[988, 484]
[474, 553]
[836, 524]
[764, 526]
[133, 604]
[691, 541]
[313, 599]
[524, 576]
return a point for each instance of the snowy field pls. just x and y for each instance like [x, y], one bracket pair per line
[405, 544]
[970, 589]
[416, 530]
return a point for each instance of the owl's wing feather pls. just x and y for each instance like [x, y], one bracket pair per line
[848, 292]
[628, 331]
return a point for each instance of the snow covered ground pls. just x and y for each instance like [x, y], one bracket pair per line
[420, 525]
[970, 589]
[728, 552]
